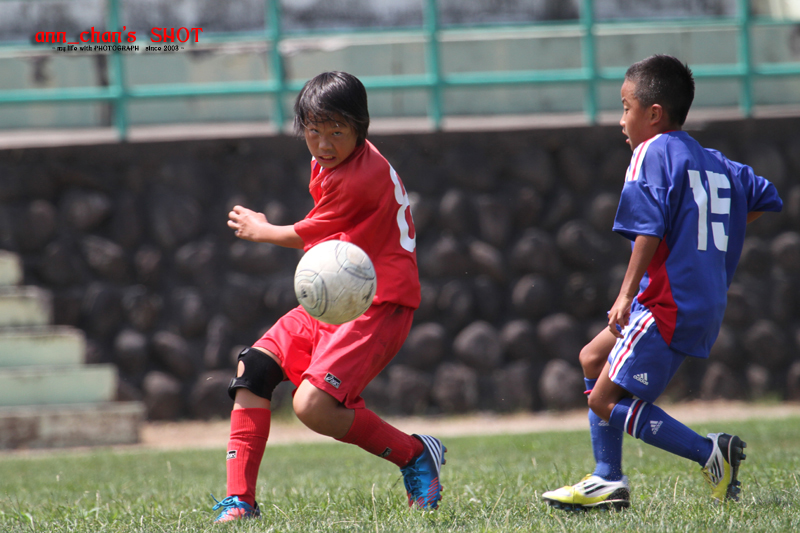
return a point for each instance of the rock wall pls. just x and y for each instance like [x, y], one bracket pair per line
[517, 260]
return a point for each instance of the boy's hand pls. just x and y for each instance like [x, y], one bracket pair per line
[248, 224]
[644, 248]
[619, 315]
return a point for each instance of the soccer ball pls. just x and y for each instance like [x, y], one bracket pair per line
[335, 282]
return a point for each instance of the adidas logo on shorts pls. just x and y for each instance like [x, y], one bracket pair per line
[655, 425]
[641, 378]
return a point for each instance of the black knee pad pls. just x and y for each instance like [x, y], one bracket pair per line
[261, 374]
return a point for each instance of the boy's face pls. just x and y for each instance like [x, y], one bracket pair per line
[330, 141]
[638, 123]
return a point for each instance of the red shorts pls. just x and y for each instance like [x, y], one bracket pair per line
[340, 360]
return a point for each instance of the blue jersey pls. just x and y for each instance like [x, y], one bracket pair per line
[696, 201]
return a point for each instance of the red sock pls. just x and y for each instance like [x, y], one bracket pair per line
[249, 432]
[371, 433]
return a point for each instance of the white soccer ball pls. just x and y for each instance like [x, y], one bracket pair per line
[335, 282]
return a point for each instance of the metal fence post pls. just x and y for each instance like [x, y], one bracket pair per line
[117, 77]
[589, 60]
[275, 34]
[745, 57]
[433, 66]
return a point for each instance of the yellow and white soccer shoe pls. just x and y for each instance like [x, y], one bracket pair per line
[722, 468]
[593, 492]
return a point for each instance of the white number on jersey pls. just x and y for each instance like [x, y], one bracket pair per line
[408, 243]
[719, 206]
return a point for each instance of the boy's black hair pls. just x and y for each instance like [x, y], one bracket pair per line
[664, 80]
[329, 94]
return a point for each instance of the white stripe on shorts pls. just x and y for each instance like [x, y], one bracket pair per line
[624, 346]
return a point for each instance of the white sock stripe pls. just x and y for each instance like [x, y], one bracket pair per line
[638, 416]
[630, 410]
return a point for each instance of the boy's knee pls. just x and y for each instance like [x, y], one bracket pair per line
[591, 362]
[311, 404]
[302, 404]
[600, 407]
[258, 372]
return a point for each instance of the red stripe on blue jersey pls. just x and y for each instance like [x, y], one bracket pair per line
[658, 295]
[638, 158]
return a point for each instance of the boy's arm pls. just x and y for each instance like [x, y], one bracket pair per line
[252, 226]
[644, 248]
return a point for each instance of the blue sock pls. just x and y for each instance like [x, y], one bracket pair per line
[651, 424]
[606, 444]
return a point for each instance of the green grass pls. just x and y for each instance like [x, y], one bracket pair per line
[492, 483]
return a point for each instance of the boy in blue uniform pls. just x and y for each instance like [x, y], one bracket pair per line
[685, 208]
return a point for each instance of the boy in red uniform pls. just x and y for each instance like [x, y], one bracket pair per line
[359, 198]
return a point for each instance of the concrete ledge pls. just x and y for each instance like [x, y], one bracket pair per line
[10, 268]
[58, 385]
[44, 345]
[25, 306]
[37, 138]
[74, 425]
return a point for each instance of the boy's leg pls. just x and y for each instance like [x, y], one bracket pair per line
[606, 440]
[651, 424]
[257, 372]
[594, 355]
[419, 457]
[606, 487]
[607, 448]
[719, 454]
[249, 433]
[324, 414]
[345, 360]
[642, 364]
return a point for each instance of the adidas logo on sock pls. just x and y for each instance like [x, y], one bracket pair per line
[602, 423]
[641, 378]
[655, 425]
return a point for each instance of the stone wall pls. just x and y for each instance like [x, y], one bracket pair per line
[517, 260]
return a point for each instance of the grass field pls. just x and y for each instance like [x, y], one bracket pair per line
[492, 483]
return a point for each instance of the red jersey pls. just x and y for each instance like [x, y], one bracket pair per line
[362, 200]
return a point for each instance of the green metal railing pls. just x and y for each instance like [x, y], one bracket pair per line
[433, 80]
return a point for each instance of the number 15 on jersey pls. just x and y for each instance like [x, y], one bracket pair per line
[719, 206]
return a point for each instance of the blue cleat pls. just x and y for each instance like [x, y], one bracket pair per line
[421, 475]
[234, 509]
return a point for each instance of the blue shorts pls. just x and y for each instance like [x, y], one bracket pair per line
[641, 362]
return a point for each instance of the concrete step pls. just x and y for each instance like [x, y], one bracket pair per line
[42, 345]
[59, 426]
[10, 268]
[25, 306]
[52, 385]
